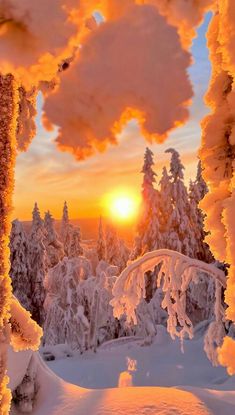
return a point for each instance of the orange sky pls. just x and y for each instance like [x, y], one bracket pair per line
[48, 176]
[52, 177]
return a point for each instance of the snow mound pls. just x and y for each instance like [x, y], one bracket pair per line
[55, 397]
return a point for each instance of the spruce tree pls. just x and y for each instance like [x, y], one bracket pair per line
[54, 248]
[148, 229]
[74, 248]
[166, 206]
[197, 190]
[37, 266]
[112, 246]
[64, 222]
[181, 236]
[101, 248]
[19, 264]
[124, 255]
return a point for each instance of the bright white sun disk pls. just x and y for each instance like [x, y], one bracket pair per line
[123, 207]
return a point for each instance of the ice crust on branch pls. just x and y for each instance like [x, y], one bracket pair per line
[176, 273]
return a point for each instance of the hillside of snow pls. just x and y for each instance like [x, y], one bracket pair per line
[125, 378]
[160, 364]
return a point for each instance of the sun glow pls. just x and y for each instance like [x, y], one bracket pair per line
[122, 206]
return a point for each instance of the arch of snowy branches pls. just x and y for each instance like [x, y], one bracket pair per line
[34, 58]
[175, 274]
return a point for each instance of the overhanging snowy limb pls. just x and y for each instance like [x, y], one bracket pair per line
[176, 273]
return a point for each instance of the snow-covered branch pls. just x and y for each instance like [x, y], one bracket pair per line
[176, 273]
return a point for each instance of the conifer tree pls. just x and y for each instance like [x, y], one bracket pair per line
[181, 236]
[74, 248]
[197, 190]
[64, 222]
[124, 255]
[148, 229]
[54, 248]
[101, 248]
[19, 263]
[37, 266]
[166, 206]
[70, 236]
[112, 246]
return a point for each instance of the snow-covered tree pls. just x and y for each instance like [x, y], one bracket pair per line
[166, 206]
[65, 304]
[70, 235]
[19, 272]
[181, 237]
[64, 222]
[217, 154]
[148, 228]
[149, 315]
[91, 254]
[149, 236]
[197, 191]
[54, 248]
[112, 246]
[75, 248]
[77, 306]
[72, 242]
[177, 272]
[124, 254]
[37, 266]
[37, 222]
[101, 248]
[8, 124]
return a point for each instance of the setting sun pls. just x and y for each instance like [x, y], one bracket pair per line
[122, 206]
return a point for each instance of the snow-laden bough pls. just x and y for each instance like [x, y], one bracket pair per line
[218, 154]
[176, 273]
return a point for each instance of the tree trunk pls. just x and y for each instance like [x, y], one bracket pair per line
[8, 126]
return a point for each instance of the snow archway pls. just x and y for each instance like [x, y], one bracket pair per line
[176, 273]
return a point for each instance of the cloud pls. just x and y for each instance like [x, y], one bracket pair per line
[131, 67]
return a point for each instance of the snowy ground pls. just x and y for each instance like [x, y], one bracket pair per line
[199, 389]
[161, 364]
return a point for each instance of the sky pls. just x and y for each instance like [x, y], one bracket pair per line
[49, 177]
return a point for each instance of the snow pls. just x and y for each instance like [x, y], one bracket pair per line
[17, 366]
[176, 273]
[185, 385]
[160, 364]
[217, 153]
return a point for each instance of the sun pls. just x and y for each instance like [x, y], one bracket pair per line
[122, 206]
